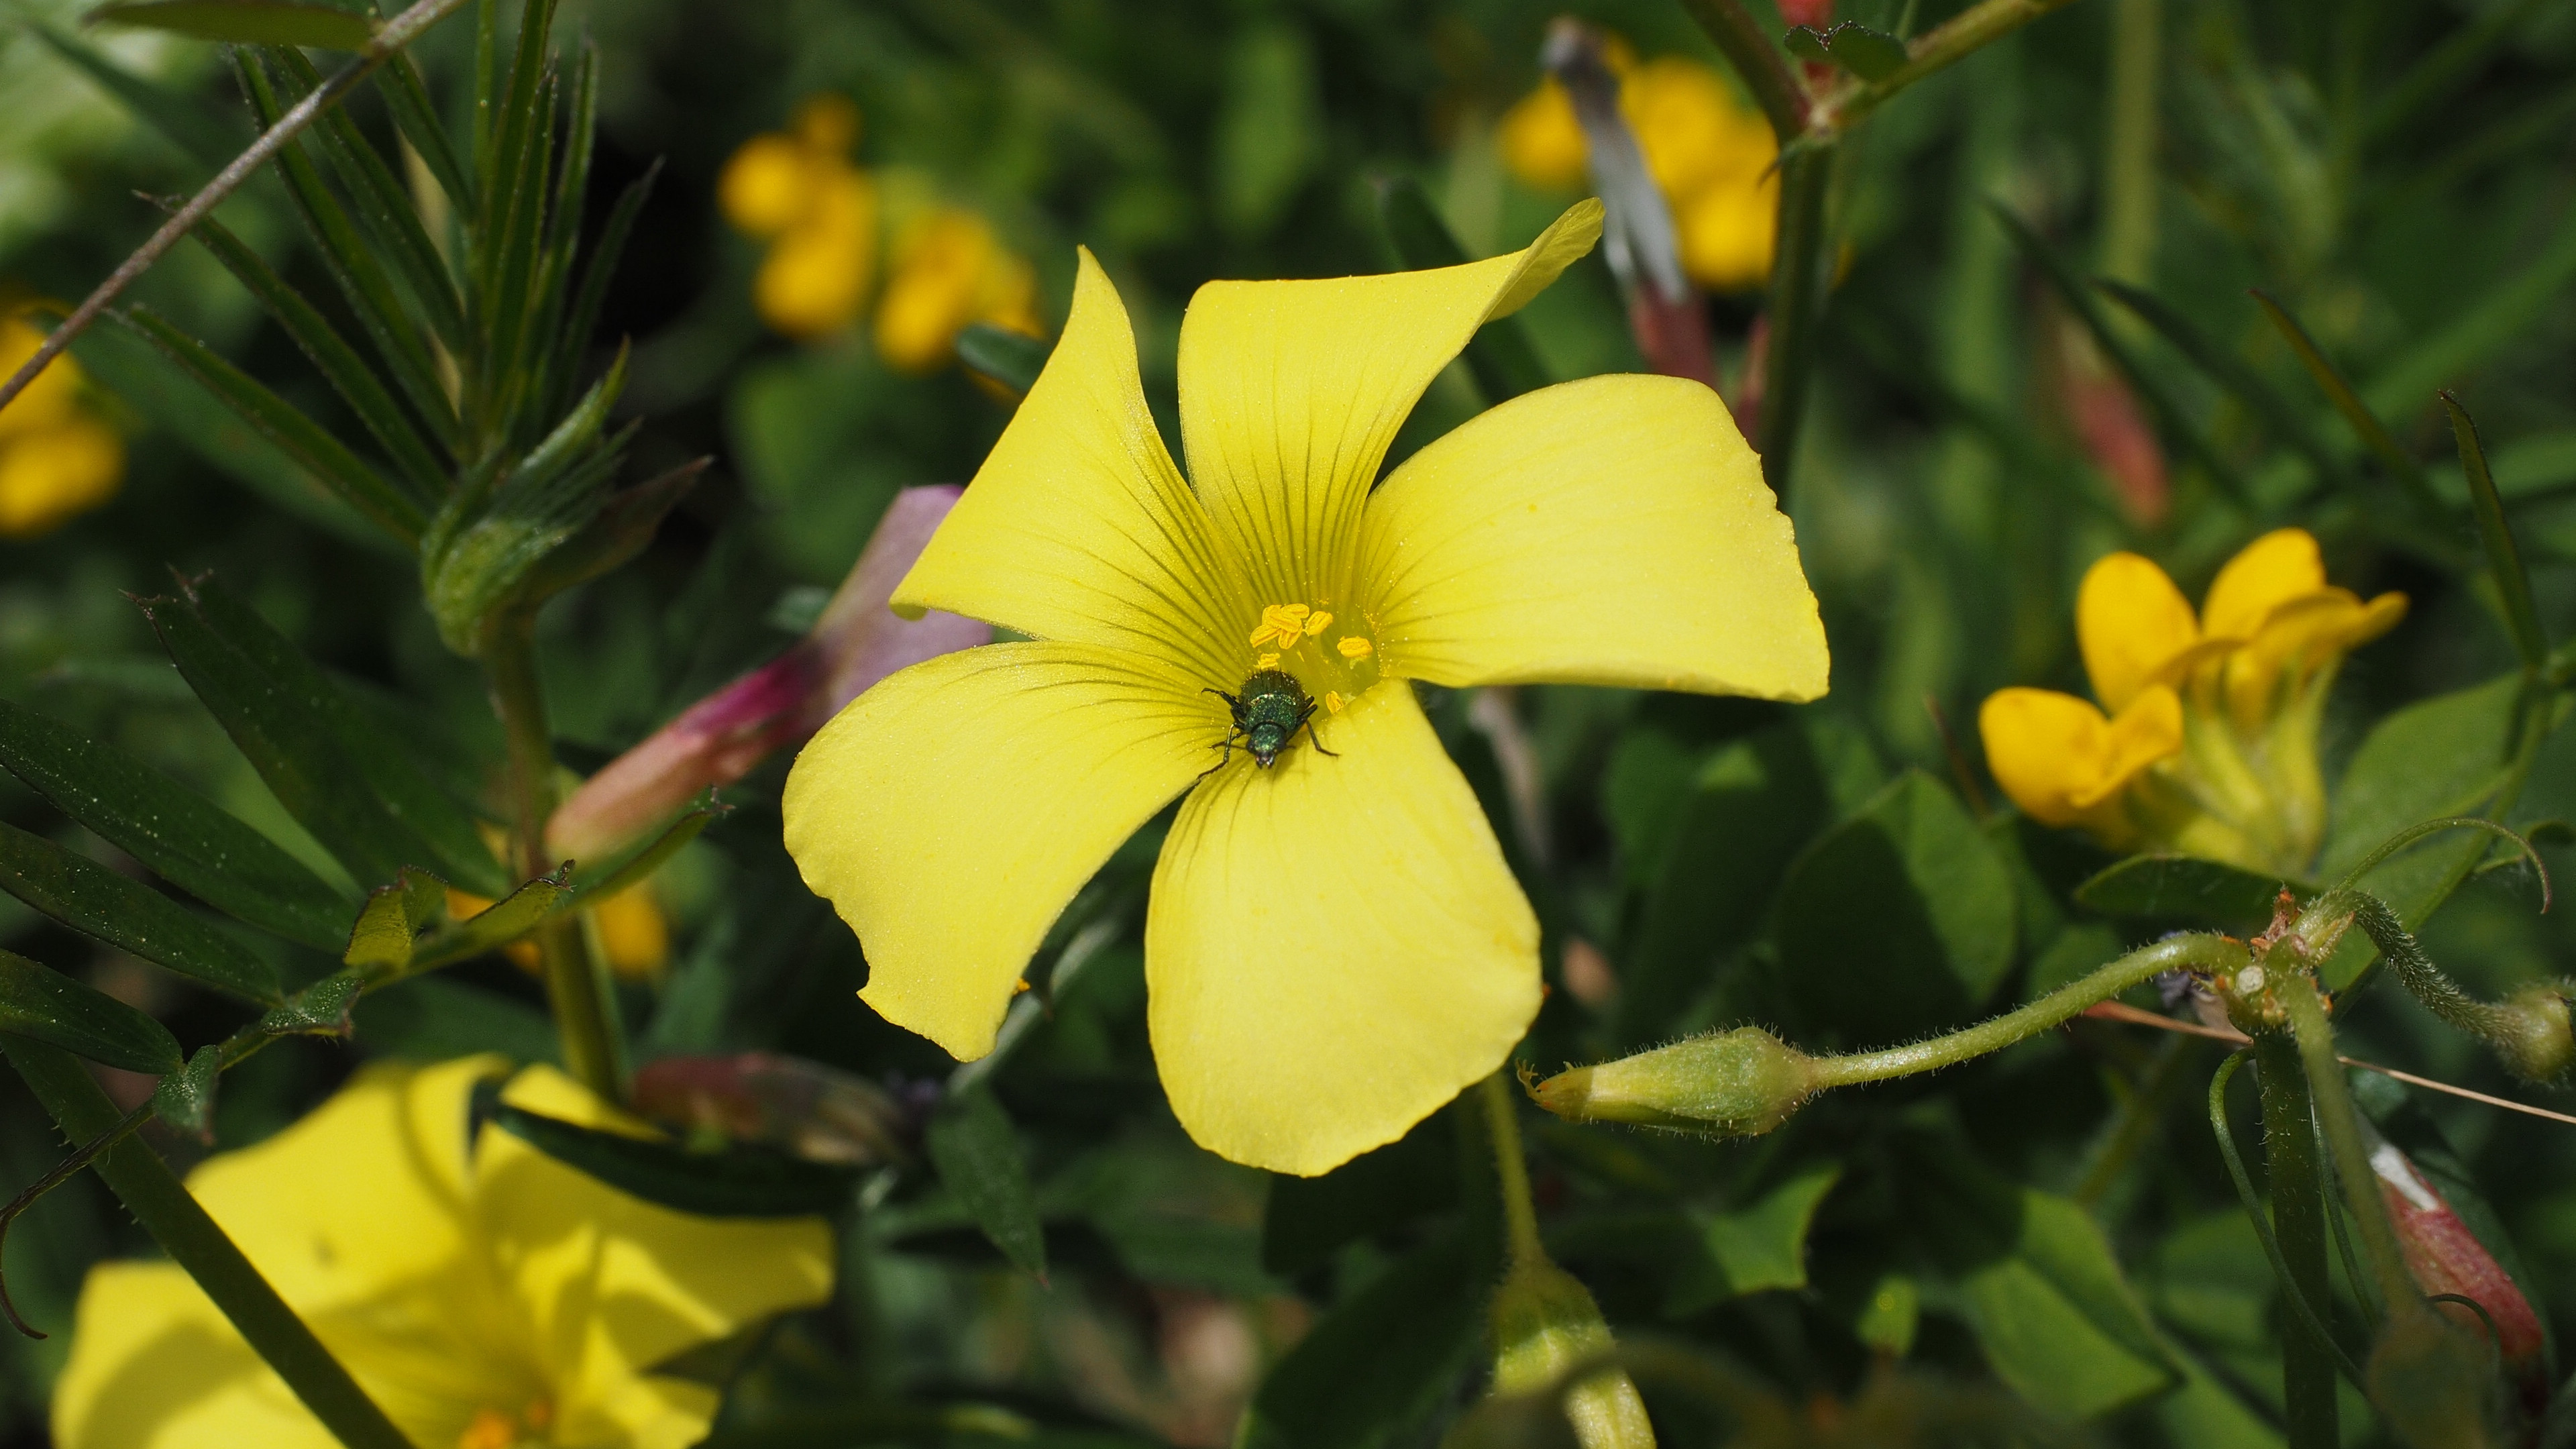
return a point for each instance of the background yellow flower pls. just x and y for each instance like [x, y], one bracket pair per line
[56, 460]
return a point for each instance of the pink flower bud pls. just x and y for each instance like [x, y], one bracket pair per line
[2445, 1257]
[857, 641]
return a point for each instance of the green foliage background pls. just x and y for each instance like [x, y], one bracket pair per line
[2398, 172]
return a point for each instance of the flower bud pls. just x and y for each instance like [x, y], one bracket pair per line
[1545, 1323]
[1739, 1083]
[2529, 1033]
[2433, 1380]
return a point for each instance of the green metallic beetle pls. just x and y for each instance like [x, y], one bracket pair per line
[1267, 715]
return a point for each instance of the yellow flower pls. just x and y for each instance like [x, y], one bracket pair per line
[949, 270]
[2210, 748]
[1712, 157]
[798, 190]
[1334, 945]
[56, 461]
[483, 1298]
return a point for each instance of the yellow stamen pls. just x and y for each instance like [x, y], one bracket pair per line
[1316, 625]
[1355, 647]
[1283, 622]
[491, 1429]
[1021, 985]
[1333, 700]
[1266, 661]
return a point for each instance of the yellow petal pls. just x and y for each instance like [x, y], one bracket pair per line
[2271, 571]
[950, 812]
[51, 476]
[2059, 759]
[815, 279]
[1291, 392]
[1078, 527]
[2133, 625]
[1609, 531]
[1298, 1028]
[611, 1285]
[2298, 638]
[767, 185]
[155, 1365]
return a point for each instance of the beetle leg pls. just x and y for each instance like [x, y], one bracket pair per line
[1308, 720]
[1227, 745]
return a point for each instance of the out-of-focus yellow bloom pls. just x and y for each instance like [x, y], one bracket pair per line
[798, 190]
[949, 270]
[2210, 746]
[1711, 156]
[56, 460]
[483, 1293]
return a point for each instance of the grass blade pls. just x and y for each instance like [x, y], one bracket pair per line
[129, 915]
[299, 437]
[2513, 583]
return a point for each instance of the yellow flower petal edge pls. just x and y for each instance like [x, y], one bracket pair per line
[2273, 570]
[2132, 624]
[1296, 1028]
[1611, 531]
[2060, 760]
[1292, 391]
[1078, 527]
[952, 811]
[155, 1365]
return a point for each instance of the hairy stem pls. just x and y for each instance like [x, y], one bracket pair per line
[577, 988]
[2299, 1225]
[2334, 1111]
[197, 1243]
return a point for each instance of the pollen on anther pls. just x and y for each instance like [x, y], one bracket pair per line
[1285, 623]
[1333, 700]
[1316, 624]
[1355, 647]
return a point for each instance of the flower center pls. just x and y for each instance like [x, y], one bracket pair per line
[1332, 656]
[501, 1429]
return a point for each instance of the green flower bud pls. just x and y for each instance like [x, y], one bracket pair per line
[2434, 1380]
[1739, 1083]
[1545, 1323]
[2529, 1033]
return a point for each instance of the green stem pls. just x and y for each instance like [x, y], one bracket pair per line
[2204, 953]
[1758, 62]
[197, 1243]
[2129, 148]
[1511, 1171]
[1802, 265]
[2334, 1111]
[577, 987]
[2299, 1226]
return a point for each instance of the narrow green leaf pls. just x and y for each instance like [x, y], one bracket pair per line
[2177, 427]
[391, 770]
[129, 915]
[1500, 355]
[408, 100]
[321, 1009]
[185, 1099]
[582, 319]
[389, 926]
[1870, 54]
[2182, 888]
[746, 1182]
[245, 22]
[977, 1152]
[625, 523]
[607, 878]
[385, 207]
[2504, 560]
[353, 267]
[504, 921]
[1011, 360]
[515, 263]
[2236, 375]
[2365, 424]
[348, 373]
[42, 1004]
[210, 138]
[314, 450]
[185, 840]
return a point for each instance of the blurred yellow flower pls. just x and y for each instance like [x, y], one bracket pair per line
[56, 460]
[1334, 945]
[822, 216]
[484, 1294]
[2210, 747]
[1712, 157]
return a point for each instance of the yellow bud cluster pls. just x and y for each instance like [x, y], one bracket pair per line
[823, 216]
[57, 460]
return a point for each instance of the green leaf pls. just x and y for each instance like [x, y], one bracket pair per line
[1376, 1368]
[323, 457]
[1870, 54]
[42, 1004]
[610, 877]
[438, 1018]
[1500, 356]
[625, 523]
[2036, 1279]
[389, 926]
[129, 915]
[744, 1182]
[1808, 43]
[1008, 359]
[1898, 921]
[2186, 889]
[179, 835]
[321, 1009]
[347, 780]
[1759, 1246]
[210, 138]
[245, 22]
[2434, 759]
[398, 80]
[582, 318]
[1309, 1219]
[2504, 561]
[186, 1098]
[977, 1152]
[385, 207]
[2236, 375]
[497, 925]
[2365, 424]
